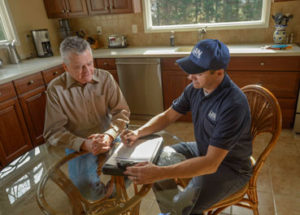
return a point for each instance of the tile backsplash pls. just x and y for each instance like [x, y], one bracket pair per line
[122, 24]
[31, 14]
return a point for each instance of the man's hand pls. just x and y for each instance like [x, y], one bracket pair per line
[144, 173]
[97, 143]
[129, 137]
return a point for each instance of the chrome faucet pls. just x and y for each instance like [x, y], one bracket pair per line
[201, 33]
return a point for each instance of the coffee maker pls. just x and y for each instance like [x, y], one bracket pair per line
[42, 42]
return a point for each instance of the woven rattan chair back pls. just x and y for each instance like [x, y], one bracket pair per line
[265, 118]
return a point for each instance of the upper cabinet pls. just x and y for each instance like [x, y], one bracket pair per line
[65, 8]
[76, 8]
[125, 6]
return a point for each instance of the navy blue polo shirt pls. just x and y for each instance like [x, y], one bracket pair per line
[221, 119]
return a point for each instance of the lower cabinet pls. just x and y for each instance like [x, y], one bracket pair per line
[108, 64]
[33, 105]
[22, 113]
[174, 80]
[14, 138]
[281, 75]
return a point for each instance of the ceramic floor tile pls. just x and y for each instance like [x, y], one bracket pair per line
[287, 204]
[264, 180]
[265, 198]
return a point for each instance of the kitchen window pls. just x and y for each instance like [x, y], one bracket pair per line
[7, 31]
[187, 15]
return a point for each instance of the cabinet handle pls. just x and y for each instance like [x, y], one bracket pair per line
[105, 63]
[55, 73]
[30, 82]
[63, 11]
[68, 11]
[262, 63]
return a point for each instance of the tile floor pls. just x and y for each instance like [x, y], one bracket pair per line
[278, 183]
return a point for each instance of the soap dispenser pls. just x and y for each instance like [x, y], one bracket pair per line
[172, 39]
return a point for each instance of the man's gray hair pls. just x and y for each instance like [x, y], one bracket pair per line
[73, 44]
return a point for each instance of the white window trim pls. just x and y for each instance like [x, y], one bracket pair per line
[9, 27]
[263, 23]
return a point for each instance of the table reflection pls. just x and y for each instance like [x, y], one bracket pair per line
[19, 180]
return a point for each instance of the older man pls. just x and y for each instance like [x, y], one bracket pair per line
[219, 161]
[85, 112]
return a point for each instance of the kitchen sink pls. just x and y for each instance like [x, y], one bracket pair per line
[184, 49]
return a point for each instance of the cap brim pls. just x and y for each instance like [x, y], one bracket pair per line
[189, 66]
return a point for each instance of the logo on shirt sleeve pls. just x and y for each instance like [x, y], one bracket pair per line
[212, 115]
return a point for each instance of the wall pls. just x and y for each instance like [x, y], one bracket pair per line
[122, 24]
[29, 15]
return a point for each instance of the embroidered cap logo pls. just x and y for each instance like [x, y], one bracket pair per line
[197, 52]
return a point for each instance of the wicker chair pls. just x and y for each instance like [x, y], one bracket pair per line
[266, 118]
[120, 203]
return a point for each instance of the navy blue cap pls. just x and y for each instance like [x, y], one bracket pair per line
[206, 55]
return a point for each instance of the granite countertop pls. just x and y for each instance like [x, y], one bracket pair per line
[27, 67]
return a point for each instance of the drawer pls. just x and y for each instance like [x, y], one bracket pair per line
[291, 63]
[7, 91]
[281, 84]
[52, 73]
[169, 64]
[105, 63]
[29, 83]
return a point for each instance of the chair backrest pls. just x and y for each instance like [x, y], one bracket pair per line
[265, 117]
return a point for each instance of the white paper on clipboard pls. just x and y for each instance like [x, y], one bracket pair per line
[142, 150]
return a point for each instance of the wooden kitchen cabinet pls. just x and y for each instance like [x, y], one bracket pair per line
[281, 75]
[14, 138]
[65, 8]
[50, 74]
[77, 8]
[108, 64]
[174, 80]
[31, 94]
[98, 7]
[125, 6]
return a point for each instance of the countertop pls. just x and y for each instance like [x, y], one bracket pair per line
[27, 67]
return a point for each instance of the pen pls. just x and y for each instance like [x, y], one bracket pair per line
[127, 142]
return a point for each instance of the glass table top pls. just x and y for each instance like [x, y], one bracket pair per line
[19, 180]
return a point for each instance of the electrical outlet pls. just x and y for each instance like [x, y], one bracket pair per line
[99, 30]
[134, 29]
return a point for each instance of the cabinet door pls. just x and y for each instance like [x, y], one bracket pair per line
[115, 75]
[108, 64]
[174, 83]
[55, 8]
[33, 104]
[76, 8]
[121, 6]
[14, 139]
[97, 7]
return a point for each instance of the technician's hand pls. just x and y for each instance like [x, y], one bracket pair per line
[129, 137]
[144, 173]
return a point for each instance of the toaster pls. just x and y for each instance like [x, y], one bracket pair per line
[117, 41]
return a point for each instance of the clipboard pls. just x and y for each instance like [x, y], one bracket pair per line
[145, 149]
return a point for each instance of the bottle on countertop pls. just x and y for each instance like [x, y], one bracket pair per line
[172, 39]
[291, 38]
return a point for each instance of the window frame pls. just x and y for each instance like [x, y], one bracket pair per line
[7, 22]
[263, 23]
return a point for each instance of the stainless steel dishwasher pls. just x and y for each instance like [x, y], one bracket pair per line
[140, 82]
